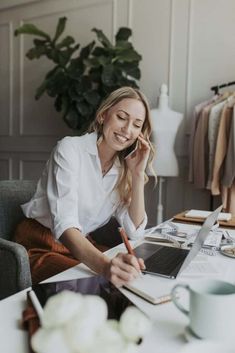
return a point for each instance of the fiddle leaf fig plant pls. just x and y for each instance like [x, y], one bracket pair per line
[82, 77]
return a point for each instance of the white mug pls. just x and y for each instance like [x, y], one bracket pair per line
[211, 308]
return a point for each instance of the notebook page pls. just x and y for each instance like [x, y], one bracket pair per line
[151, 288]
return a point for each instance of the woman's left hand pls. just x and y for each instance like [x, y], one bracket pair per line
[137, 162]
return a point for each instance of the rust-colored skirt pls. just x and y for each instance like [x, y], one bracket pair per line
[47, 257]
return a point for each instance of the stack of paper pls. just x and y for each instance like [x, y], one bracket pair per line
[183, 233]
[204, 214]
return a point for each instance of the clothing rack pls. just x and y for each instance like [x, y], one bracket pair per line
[217, 88]
[216, 91]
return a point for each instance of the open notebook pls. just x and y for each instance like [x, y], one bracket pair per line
[154, 290]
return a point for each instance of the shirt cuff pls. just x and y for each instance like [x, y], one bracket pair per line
[133, 232]
[60, 228]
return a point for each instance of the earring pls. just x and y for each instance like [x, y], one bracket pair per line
[101, 121]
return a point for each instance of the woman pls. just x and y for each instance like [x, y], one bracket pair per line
[87, 180]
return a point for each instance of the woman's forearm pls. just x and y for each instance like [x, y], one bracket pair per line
[137, 206]
[84, 251]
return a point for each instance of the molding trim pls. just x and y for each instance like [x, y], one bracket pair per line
[9, 25]
[11, 73]
[170, 48]
[189, 59]
[10, 166]
[8, 4]
[130, 14]
[21, 83]
[114, 19]
[21, 165]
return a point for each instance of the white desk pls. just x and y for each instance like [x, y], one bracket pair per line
[167, 335]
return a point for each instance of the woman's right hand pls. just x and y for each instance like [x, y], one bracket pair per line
[124, 268]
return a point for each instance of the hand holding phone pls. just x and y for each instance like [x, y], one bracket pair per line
[131, 149]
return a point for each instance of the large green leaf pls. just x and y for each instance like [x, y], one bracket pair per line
[95, 74]
[85, 52]
[92, 62]
[72, 119]
[73, 94]
[60, 28]
[65, 104]
[66, 42]
[57, 84]
[58, 103]
[128, 56]
[41, 89]
[84, 109]
[39, 42]
[92, 97]
[108, 75]
[122, 44]
[102, 38]
[130, 69]
[104, 60]
[52, 72]
[29, 28]
[52, 54]
[36, 52]
[99, 51]
[75, 68]
[63, 57]
[86, 83]
[123, 34]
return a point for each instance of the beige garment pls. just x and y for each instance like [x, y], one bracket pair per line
[196, 113]
[231, 199]
[221, 148]
[228, 199]
[200, 149]
[213, 126]
[201, 145]
[229, 165]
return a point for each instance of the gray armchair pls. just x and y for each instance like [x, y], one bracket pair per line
[14, 263]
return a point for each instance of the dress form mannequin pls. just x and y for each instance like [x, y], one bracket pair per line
[165, 126]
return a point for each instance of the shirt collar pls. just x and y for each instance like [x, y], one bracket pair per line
[91, 147]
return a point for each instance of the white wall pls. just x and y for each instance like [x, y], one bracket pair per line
[188, 44]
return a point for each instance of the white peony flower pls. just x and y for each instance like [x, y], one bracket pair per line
[75, 323]
[81, 330]
[109, 339]
[60, 308]
[134, 324]
[50, 341]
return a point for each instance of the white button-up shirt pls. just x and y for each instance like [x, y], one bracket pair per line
[72, 191]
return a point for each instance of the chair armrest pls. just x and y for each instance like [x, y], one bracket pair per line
[14, 268]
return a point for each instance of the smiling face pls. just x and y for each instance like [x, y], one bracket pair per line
[123, 123]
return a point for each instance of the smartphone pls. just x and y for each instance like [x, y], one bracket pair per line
[131, 149]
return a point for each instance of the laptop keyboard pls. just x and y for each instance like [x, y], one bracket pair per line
[166, 260]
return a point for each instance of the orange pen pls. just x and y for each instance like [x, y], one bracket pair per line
[126, 241]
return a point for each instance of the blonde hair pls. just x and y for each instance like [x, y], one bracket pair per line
[124, 182]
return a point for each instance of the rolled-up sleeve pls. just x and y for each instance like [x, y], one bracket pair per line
[62, 188]
[125, 221]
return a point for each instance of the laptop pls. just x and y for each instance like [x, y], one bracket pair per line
[166, 261]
